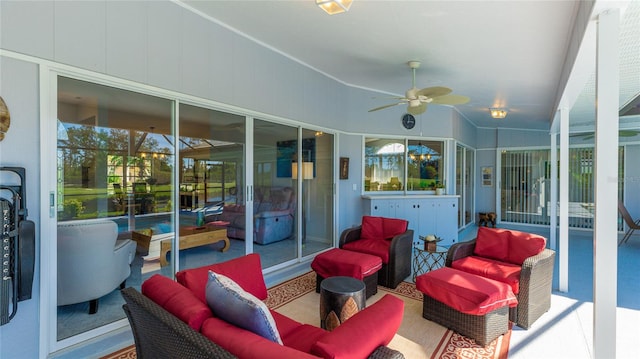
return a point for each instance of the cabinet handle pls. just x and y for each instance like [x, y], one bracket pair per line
[375, 207]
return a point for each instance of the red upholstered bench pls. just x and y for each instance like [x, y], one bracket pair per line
[341, 262]
[474, 306]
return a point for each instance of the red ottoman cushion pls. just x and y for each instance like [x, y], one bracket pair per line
[340, 262]
[464, 292]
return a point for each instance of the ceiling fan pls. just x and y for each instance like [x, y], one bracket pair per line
[417, 99]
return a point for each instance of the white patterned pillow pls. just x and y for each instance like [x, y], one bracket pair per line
[230, 302]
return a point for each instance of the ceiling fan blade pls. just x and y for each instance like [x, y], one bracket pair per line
[434, 91]
[451, 100]
[385, 106]
[416, 110]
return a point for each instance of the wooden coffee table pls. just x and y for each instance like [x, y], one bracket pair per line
[191, 237]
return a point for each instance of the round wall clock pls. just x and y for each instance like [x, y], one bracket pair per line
[408, 121]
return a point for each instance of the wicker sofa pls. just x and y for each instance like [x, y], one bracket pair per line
[517, 258]
[169, 319]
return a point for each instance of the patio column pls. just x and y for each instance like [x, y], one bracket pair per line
[563, 250]
[605, 242]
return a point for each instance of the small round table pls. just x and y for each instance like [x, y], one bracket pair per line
[424, 261]
[340, 298]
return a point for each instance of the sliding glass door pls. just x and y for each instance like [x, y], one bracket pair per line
[211, 190]
[115, 161]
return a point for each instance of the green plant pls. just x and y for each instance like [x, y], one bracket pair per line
[439, 185]
[72, 208]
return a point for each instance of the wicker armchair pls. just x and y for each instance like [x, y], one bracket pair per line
[159, 334]
[399, 266]
[534, 297]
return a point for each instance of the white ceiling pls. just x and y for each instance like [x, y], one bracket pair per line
[500, 53]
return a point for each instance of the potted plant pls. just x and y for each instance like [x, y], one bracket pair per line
[439, 188]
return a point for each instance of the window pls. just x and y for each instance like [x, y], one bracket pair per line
[386, 159]
[526, 182]
[384, 164]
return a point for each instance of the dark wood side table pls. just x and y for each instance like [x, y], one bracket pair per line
[340, 298]
[425, 261]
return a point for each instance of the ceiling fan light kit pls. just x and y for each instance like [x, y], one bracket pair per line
[417, 99]
[333, 7]
[498, 113]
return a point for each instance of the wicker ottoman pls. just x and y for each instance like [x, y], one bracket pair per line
[341, 262]
[473, 306]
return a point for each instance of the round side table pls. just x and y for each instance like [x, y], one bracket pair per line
[340, 298]
[424, 261]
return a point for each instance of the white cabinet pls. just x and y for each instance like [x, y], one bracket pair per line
[426, 214]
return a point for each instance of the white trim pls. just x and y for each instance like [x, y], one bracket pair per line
[605, 246]
[563, 198]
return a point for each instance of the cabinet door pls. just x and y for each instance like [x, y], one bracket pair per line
[447, 220]
[413, 212]
[384, 208]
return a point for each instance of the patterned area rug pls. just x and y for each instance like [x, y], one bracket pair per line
[417, 337]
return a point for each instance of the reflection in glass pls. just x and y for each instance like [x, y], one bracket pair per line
[115, 163]
[211, 190]
[317, 191]
[425, 165]
[384, 164]
[275, 194]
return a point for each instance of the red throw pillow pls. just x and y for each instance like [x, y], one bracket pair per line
[492, 243]
[245, 270]
[177, 300]
[524, 245]
[372, 228]
[393, 226]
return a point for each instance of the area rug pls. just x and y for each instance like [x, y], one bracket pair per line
[417, 338]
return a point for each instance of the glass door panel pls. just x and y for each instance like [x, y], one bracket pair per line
[275, 192]
[211, 175]
[317, 191]
[114, 164]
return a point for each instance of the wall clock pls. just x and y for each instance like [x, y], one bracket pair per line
[5, 119]
[408, 121]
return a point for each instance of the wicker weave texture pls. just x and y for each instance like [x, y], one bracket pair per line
[482, 328]
[534, 297]
[158, 334]
[399, 267]
[385, 353]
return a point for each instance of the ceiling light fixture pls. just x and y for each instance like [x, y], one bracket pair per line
[498, 112]
[333, 7]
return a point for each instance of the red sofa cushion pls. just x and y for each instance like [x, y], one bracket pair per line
[342, 262]
[492, 243]
[303, 337]
[375, 247]
[177, 300]
[465, 292]
[393, 226]
[524, 245]
[508, 273]
[372, 228]
[245, 270]
[245, 344]
[355, 338]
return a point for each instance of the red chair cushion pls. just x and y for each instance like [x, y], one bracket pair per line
[524, 245]
[465, 292]
[501, 271]
[393, 226]
[375, 247]
[303, 337]
[355, 338]
[372, 228]
[177, 300]
[245, 270]
[340, 262]
[492, 243]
